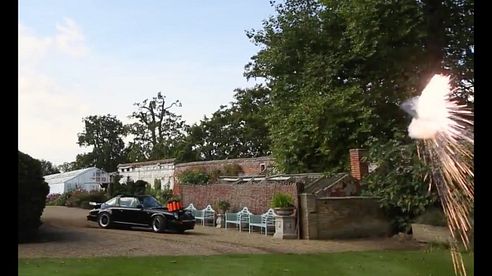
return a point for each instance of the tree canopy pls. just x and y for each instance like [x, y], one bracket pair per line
[157, 131]
[338, 70]
[105, 135]
[335, 73]
[48, 168]
[237, 131]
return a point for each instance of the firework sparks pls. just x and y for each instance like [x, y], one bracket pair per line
[445, 130]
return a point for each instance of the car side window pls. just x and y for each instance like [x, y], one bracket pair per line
[145, 202]
[127, 202]
[148, 202]
[134, 203]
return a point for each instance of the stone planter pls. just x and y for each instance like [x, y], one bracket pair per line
[285, 223]
[220, 222]
[429, 233]
[284, 211]
[285, 227]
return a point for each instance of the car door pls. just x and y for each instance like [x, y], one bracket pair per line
[128, 211]
[116, 211]
[144, 212]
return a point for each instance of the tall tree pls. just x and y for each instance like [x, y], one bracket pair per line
[48, 168]
[158, 131]
[338, 70]
[105, 135]
[236, 131]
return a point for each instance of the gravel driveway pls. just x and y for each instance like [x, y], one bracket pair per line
[66, 233]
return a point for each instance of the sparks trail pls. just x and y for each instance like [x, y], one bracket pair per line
[445, 130]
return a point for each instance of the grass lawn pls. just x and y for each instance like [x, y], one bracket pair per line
[431, 262]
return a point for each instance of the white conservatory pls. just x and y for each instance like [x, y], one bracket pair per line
[88, 179]
[160, 171]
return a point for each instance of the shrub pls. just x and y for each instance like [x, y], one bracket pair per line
[132, 188]
[398, 182]
[282, 200]
[71, 198]
[95, 196]
[432, 216]
[81, 198]
[62, 200]
[140, 187]
[232, 170]
[157, 184]
[213, 175]
[161, 195]
[174, 198]
[194, 177]
[166, 194]
[51, 199]
[31, 197]
[115, 186]
[223, 205]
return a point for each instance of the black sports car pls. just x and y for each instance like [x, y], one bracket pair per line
[141, 211]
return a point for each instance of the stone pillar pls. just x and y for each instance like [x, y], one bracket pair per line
[285, 227]
[309, 217]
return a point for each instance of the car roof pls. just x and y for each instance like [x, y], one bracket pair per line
[129, 195]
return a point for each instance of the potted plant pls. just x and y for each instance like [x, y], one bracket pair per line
[283, 204]
[223, 206]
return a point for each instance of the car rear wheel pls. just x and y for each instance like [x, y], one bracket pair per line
[104, 220]
[158, 224]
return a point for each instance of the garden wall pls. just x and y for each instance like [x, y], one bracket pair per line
[341, 217]
[255, 196]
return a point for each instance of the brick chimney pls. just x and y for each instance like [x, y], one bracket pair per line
[358, 169]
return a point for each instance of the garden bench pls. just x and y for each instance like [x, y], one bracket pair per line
[263, 221]
[207, 214]
[192, 208]
[239, 218]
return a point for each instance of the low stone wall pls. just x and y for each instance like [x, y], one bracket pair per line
[341, 218]
[429, 233]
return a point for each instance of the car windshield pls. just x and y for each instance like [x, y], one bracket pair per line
[150, 202]
[111, 202]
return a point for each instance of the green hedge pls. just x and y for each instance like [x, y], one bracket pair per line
[77, 198]
[194, 177]
[31, 197]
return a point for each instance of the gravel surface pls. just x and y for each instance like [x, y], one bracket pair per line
[67, 233]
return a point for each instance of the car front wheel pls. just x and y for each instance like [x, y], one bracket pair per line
[158, 224]
[104, 220]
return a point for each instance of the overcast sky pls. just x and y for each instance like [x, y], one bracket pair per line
[92, 57]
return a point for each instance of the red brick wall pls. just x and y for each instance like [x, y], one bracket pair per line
[358, 169]
[249, 166]
[255, 196]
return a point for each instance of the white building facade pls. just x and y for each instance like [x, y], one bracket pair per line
[88, 179]
[152, 172]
